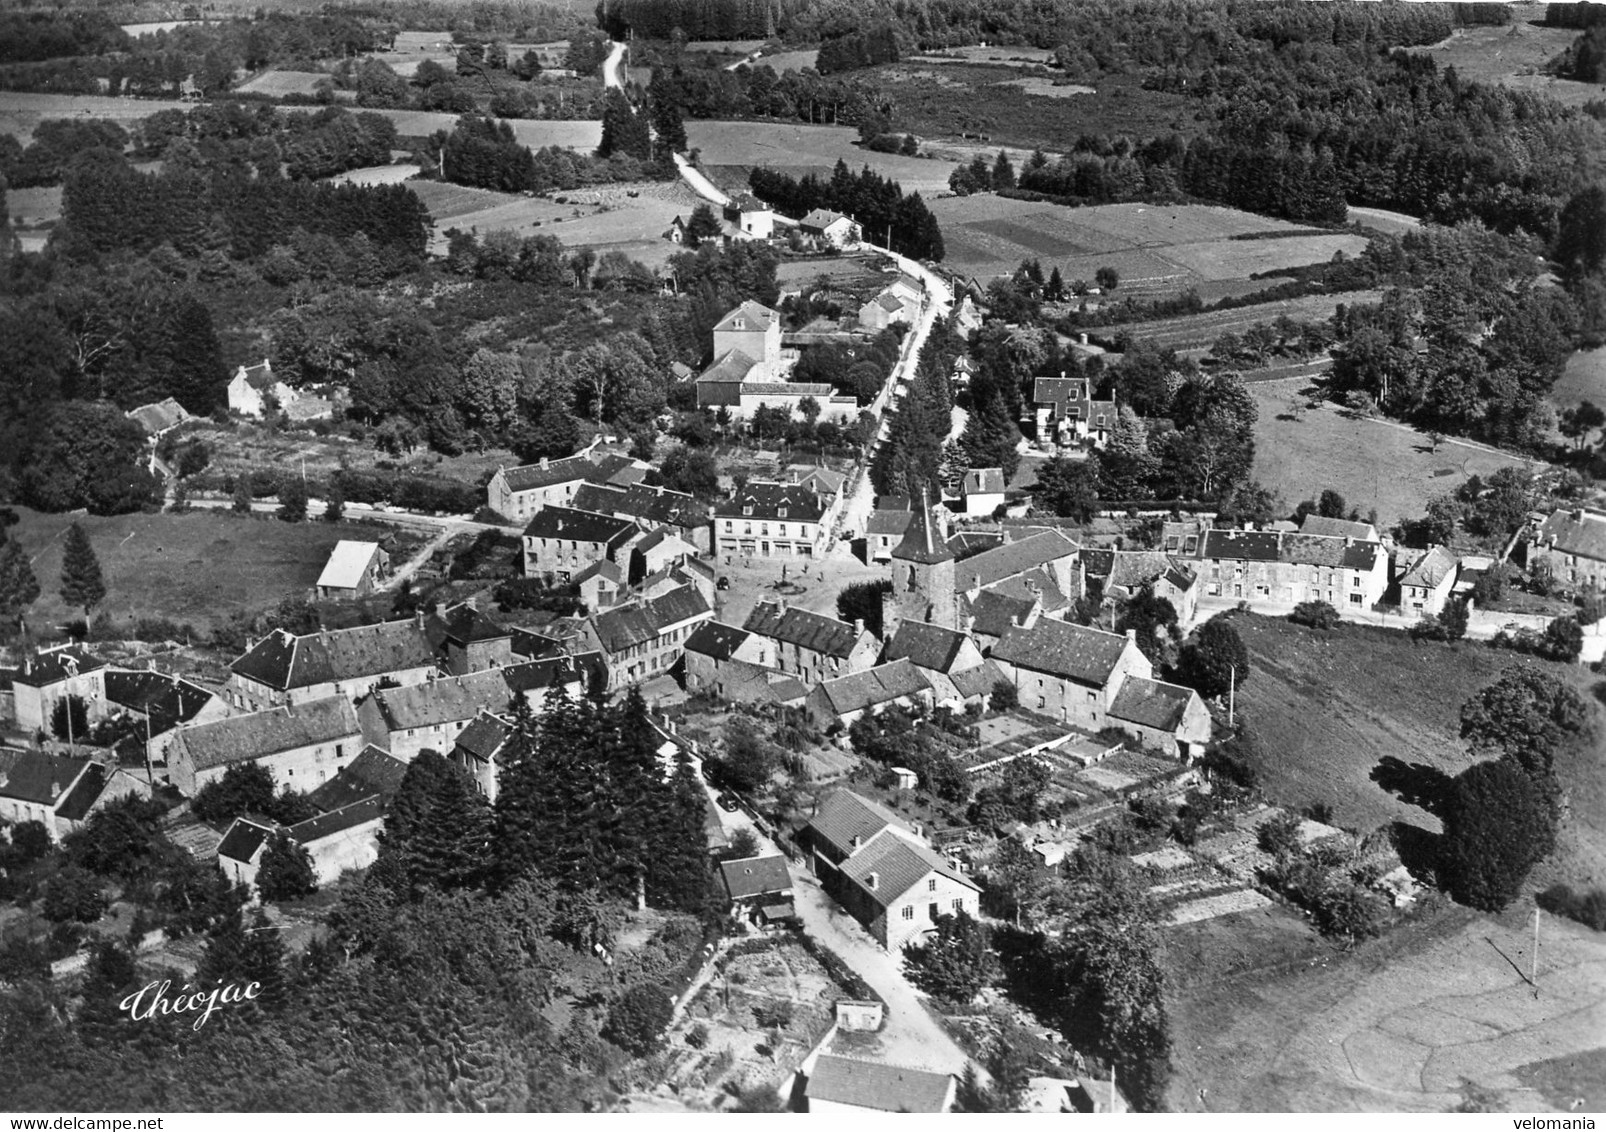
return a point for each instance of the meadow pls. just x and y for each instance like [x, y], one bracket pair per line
[21, 111]
[1515, 56]
[278, 84]
[796, 148]
[1200, 331]
[1583, 380]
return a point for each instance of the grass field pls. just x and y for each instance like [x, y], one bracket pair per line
[1515, 56]
[570, 133]
[790, 60]
[1197, 331]
[1155, 248]
[277, 84]
[20, 112]
[1382, 220]
[376, 175]
[797, 149]
[33, 207]
[1583, 380]
[198, 568]
[1298, 458]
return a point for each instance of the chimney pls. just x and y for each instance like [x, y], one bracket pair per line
[970, 623]
[858, 626]
[1349, 540]
[780, 605]
[55, 790]
[873, 882]
[418, 617]
[543, 463]
[858, 842]
[1132, 635]
[1578, 515]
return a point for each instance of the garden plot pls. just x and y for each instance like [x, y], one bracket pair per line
[1221, 904]
[277, 84]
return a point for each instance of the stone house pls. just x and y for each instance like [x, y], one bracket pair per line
[518, 493]
[302, 746]
[560, 543]
[48, 676]
[645, 638]
[355, 569]
[1428, 582]
[1572, 542]
[812, 646]
[845, 699]
[1070, 672]
[286, 668]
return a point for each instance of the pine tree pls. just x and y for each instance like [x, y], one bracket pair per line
[438, 832]
[242, 496]
[19, 588]
[82, 586]
[293, 500]
[286, 870]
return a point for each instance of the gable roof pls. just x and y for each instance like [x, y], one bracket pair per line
[731, 366]
[754, 315]
[75, 806]
[282, 660]
[995, 612]
[1249, 546]
[462, 624]
[993, 566]
[888, 523]
[592, 467]
[484, 736]
[167, 700]
[158, 416]
[347, 564]
[1151, 703]
[755, 876]
[716, 639]
[578, 526]
[374, 773]
[1580, 531]
[898, 864]
[879, 685]
[984, 481]
[242, 738]
[259, 377]
[820, 218]
[803, 628]
[928, 646]
[624, 626]
[42, 777]
[844, 815]
[768, 499]
[1060, 648]
[243, 839]
[1431, 569]
[868, 1084]
[655, 506]
[977, 681]
[1342, 528]
[46, 668]
[747, 202]
[337, 821]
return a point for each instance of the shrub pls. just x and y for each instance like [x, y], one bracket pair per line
[1279, 835]
[73, 894]
[773, 1015]
[697, 1036]
[1588, 907]
[1314, 615]
[637, 1021]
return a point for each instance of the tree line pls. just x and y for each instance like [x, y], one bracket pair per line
[876, 202]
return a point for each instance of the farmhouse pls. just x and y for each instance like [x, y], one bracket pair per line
[759, 888]
[1428, 582]
[739, 666]
[897, 303]
[161, 703]
[1119, 575]
[1274, 568]
[1572, 543]
[1169, 718]
[303, 745]
[480, 750]
[809, 645]
[465, 640]
[1064, 412]
[284, 668]
[518, 493]
[337, 841]
[52, 675]
[650, 507]
[60, 791]
[851, 1087]
[846, 698]
[829, 229]
[354, 569]
[765, 519]
[753, 219]
[157, 419]
[560, 542]
[1069, 671]
[251, 386]
[646, 638]
[877, 867]
[982, 490]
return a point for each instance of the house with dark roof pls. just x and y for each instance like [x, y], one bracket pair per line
[849, 1086]
[754, 219]
[844, 699]
[751, 370]
[1572, 542]
[239, 854]
[467, 640]
[1120, 575]
[876, 865]
[940, 653]
[302, 745]
[1280, 569]
[987, 615]
[1068, 671]
[765, 519]
[47, 677]
[733, 664]
[160, 703]
[286, 668]
[520, 492]
[1064, 412]
[1338, 528]
[60, 791]
[884, 530]
[645, 638]
[337, 841]
[649, 507]
[1428, 582]
[759, 889]
[809, 645]
[1166, 718]
[1046, 559]
[560, 542]
[481, 749]
[372, 774]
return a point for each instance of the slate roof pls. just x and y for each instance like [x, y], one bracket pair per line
[787, 389]
[921, 542]
[258, 377]
[977, 681]
[844, 815]
[1328, 550]
[731, 366]
[1034, 585]
[887, 301]
[888, 523]
[768, 499]
[928, 646]
[158, 416]
[755, 876]
[995, 612]
[48, 668]
[968, 544]
[462, 624]
[85, 792]
[879, 685]
[283, 660]
[579, 526]
[1248, 546]
[167, 700]
[1342, 528]
[623, 626]
[803, 628]
[655, 506]
[1577, 531]
[347, 564]
[604, 467]
[756, 315]
[993, 566]
[337, 821]
[899, 864]
[550, 671]
[601, 568]
[747, 202]
[1151, 703]
[867, 1084]
[984, 481]
[42, 777]
[242, 738]
[716, 639]
[243, 839]
[484, 736]
[1097, 563]
[1431, 569]
[1060, 648]
[374, 773]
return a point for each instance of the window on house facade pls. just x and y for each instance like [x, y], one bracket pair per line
[908, 911]
[931, 885]
[959, 905]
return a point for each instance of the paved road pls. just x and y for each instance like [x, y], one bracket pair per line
[700, 184]
[610, 66]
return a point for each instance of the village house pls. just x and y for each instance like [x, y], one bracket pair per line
[157, 419]
[601, 584]
[759, 889]
[738, 666]
[1065, 412]
[160, 704]
[302, 745]
[284, 668]
[431, 715]
[372, 774]
[775, 520]
[752, 218]
[60, 792]
[560, 542]
[1572, 543]
[1120, 575]
[676, 232]
[750, 370]
[465, 640]
[895, 304]
[942, 655]
[251, 386]
[657, 551]
[878, 868]
[1166, 718]
[1068, 671]
[809, 645]
[1278, 569]
[829, 229]
[1427, 582]
[646, 638]
[49, 676]
[850, 1087]
[844, 699]
[982, 491]
[337, 842]
[481, 749]
[650, 507]
[988, 615]
[518, 493]
[885, 527]
[1314, 524]
[355, 569]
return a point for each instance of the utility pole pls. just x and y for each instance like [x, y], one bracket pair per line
[1232, 694]
[1534, 978]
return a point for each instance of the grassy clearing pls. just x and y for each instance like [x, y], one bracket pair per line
[248, 448]
[1195, 331]
[199, 568]
[1583, 380]
[21, 111]
[277, 84]
[1298, 458]
[376, 175]
[569, 133]
[1515, 56]
[30, 208]
[796, 148]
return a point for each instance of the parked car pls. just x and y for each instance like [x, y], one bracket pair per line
[724, 583]
[729, 803]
